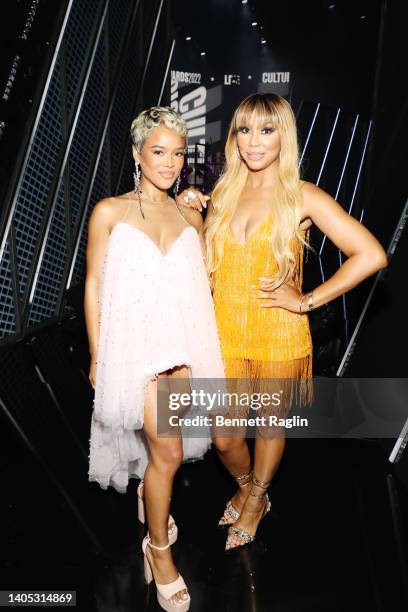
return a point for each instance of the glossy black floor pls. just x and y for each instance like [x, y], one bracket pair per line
[335, 539]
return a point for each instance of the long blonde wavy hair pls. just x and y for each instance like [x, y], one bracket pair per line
[286, 198]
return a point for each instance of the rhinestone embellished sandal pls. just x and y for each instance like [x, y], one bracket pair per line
[172, 527]
[230, 513]
[165, 591]
[236, 532]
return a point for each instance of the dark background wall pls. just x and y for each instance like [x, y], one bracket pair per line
[321, 55]
[329, 49]
[352, 55]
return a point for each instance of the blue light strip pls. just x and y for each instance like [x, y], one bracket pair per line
[67, 151]
[342, 173]
[167, 71]
[328, 147]
[310, 132]
[361, 165]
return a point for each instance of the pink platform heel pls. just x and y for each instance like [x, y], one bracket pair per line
[165, 591]
[172, 527]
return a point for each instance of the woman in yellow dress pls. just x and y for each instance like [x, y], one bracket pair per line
[256, 233]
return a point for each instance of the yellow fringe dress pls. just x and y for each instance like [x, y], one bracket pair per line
[261, 343]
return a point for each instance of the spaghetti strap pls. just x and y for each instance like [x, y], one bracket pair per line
[181, 212]
[122, 219]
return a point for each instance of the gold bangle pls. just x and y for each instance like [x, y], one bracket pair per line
[301, 302]
[310, 301]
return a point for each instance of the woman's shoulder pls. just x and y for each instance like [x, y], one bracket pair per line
[315, 201]
[312, 195]
[107, 210]
[308, 188]
[308, 191]
[311, 191]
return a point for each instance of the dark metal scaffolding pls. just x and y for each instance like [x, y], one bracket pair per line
[110, 59]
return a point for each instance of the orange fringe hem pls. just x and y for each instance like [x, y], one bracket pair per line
[292, 380]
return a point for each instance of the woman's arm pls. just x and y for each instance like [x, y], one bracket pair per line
[195, 219]
[365, 255]
[99, 226]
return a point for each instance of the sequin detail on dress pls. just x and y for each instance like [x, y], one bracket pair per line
[156, 312]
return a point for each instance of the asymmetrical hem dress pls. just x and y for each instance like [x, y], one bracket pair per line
[156, 312]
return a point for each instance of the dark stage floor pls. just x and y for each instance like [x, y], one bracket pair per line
[335, 539]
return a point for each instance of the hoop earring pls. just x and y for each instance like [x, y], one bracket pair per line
[177, 185]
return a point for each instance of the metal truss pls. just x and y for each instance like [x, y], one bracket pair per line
[77, 152]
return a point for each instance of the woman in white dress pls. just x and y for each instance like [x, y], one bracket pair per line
[149, 316]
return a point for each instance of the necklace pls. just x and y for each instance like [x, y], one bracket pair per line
[169, 199]
[152, 201]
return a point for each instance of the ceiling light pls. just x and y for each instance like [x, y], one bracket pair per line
[244, 1]
[263, 41]
[188, 37]
[212, 79]
[202, 53]
[254, 23]
[249, 76]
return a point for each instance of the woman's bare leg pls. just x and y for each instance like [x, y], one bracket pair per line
[270, 441]
[268, 454]
[234, 454]
[164, 461]
[231, 445]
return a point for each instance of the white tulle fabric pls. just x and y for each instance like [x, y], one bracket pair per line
[156, 312]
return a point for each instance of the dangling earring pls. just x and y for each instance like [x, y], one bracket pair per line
[137, 188]
[136, 179]
[177, 185]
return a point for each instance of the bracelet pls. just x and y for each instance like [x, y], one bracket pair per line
[310, 301]
[301, 302]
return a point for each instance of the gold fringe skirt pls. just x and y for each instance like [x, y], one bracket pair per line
[267, 390]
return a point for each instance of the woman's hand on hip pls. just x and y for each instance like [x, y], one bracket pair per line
[285, 296]
[193, 198]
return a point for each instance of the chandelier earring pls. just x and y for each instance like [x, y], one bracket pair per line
[177, 185]
[136, 179]
[138, 188]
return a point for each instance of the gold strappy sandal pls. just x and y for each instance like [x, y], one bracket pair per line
[230, 513]
[236, 532]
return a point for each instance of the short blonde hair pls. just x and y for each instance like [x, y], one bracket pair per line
[152, 117]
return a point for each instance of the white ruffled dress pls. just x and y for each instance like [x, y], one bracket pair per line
[156, 312]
